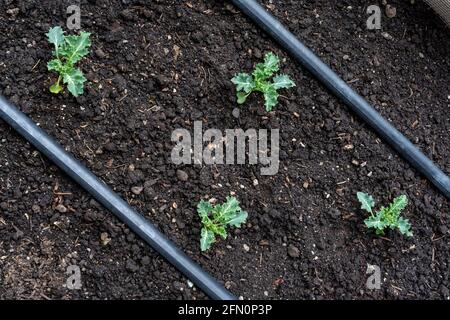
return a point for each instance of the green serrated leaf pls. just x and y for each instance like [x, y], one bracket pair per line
[55, 65]
[56, 37]
[75, 81]
[270, 98]
[375, 222]
[207, 239]
[387, 217]
[221, 231]
[204, 208]
[244, 82]
[260, 74]
[76, 47]
[229, 207]
[237, 219]
[404, 227]
[271, 63]
[366, 200]
[283, 82]
[398, 205]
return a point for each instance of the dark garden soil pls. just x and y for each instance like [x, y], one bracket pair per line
[157, 66]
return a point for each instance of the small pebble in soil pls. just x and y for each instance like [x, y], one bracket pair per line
[19, 234]
[182, 175]
[180, 224]
[137, 190]
[335, 213]
[145, 260]
[387, 36]
[349, 147]
[131, 266]
[236, 112]
[100, 53]
[443, 229]
[61, 208]
[246, 248]
[293, 251]
[162, 81]
[178, 286]
[105, 239]
[13, 12]
[391, 11]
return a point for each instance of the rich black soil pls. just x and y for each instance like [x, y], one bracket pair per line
[160, 65]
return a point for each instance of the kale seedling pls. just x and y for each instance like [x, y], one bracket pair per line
[215, 220]
[261, 81]
[386, 217]
[68, 51]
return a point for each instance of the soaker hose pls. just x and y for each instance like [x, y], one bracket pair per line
[100, 191]
[442, 7]
[341, 89]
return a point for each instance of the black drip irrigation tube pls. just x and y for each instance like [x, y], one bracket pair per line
[100, 191]
[341, 89]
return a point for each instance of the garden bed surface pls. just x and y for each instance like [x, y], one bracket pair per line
[156, 66]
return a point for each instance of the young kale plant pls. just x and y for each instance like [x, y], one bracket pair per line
[68, 51]
[262, 80]
[386, 217]
[215, 220]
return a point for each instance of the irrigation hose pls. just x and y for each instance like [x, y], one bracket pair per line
[341, 89]
[102, 193]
